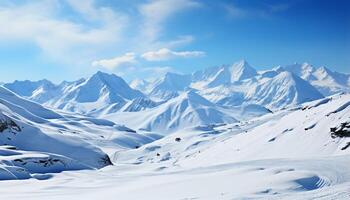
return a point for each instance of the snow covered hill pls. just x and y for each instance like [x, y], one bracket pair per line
[17, 119]
[300, 153]
[315, 129]
[34, 139]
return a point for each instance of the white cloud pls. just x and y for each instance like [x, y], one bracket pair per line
[235, 12]
[117, 62]
[40, 23]
[77, 33]
[158, 70]
[264, 11]
[167, 54]
[155, 13]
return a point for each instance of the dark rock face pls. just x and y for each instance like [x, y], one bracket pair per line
[105, 161]
[7, 123]
[342, 130]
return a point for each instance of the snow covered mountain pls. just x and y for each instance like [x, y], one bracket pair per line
[285, 89]
[273, 89]
[39, 91]
[228, 86]
[234, 85]
[186, 110]
[92, 95]
[216, 141]
[226, 74]
[325, 80]
[169, 86]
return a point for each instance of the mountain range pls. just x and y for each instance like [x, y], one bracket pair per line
[227, 132]
[176, 100]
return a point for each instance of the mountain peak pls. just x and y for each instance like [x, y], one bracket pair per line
[285, 89]
[193, 98]
[103, 75]
[26, 88]
[242, 70]
[243, 62]
[100, 87]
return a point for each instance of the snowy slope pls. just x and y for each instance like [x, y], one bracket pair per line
[304, 132]
[300, 153]
[290, 154]
[139, 104]
[17, 121]
[34, 139]
[187, 110]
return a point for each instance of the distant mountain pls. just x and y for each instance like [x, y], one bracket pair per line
[241, 71]
[169, 86]
[83, 96]
[140, 84]
[233, 85]
[326, 81]
[223, 75]
[41, 91]
[33, 89]
[227, 85]
[186, 110]
[285, 89]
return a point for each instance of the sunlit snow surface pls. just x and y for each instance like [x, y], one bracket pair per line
[289, 154]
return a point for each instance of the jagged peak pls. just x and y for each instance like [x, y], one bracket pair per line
[193, 97]
[106, 78]
[242, 70]
[242, 64]
[324, 69]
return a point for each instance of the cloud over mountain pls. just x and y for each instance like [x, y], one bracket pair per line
[167, 54]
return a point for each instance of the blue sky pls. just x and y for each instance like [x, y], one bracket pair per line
[69, 39]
